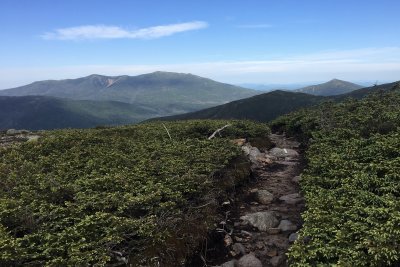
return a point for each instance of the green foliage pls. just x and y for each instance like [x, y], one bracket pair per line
[77, 197]
[351, 183]
[262, 108]
[46, 113]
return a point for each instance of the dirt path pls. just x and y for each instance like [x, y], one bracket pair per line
[262, 222]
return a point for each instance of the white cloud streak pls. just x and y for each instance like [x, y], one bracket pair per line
[382, 64]
[88, 32]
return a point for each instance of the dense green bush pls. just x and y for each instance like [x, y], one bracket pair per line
[351, 183]
[84, 197]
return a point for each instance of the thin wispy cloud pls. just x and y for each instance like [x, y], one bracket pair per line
[255, 26]
[88, 32]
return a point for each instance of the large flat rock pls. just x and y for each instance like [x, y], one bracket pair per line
[262, 220]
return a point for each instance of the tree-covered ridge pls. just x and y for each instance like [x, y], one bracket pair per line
[269, 106]
[351, 183]
[138, 193]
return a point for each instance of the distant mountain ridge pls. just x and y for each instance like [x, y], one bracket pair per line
[171, 92]
[330, 88]
[48, 112]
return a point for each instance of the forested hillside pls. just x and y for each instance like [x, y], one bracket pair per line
[45, 113]
[351, 183]
[269, 106]
[264, 107]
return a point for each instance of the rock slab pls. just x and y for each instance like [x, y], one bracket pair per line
[291, 199]
[283, 152]
[239, 249]
[264, 197]
[262, 220]
[249, 260]
[286, 225]
[232, 263]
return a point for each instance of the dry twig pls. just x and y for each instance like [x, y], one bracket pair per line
[217, 131]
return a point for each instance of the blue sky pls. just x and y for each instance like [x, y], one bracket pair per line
[284, 41]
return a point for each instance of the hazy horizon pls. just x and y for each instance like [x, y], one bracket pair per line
[249, 85]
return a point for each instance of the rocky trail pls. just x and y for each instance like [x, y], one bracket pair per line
[264, 217]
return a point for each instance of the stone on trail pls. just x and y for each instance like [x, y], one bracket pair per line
[264, 197]
[239, 249]
[283, 152]
[261, 220]
[296, 179]
[286, 225]
[271, 252]
[273, 231]
[239, 142]
[249, 260]
[14, 132]
[254, 153]
[291, 198]
[277, 260]
[232, 263]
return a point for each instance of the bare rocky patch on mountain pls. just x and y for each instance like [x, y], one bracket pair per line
[12, 136]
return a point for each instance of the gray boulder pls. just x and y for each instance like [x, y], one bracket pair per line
[13, 132]
[253, 153]
[232, 263]
[239, 249]
[283, 152]
[249, 260]
[264, 197]
[261, 220]
[286, 225]
[277, 260]
[296, 179]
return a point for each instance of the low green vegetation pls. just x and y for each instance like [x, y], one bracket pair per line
[351, 183]
[107, 195]
[47, 113]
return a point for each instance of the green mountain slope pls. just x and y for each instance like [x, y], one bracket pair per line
[333, 87]
[264, 107]
[174, 93]
[40, 112]
[268, 106]
[360, 93]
